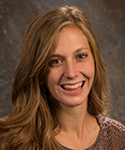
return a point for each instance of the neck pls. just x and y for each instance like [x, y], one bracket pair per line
[79, 129]
[75, 120]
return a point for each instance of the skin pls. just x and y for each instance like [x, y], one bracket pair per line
[70, 77]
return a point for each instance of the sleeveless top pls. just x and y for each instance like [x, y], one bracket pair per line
[111, 135]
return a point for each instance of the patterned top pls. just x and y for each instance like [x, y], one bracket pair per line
[111, 135]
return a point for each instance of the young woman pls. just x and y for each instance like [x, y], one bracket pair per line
[59, 89]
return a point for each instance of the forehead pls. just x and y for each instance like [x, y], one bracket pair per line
[70, 38]
[72, 29]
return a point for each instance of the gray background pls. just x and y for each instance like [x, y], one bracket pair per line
[108, 20]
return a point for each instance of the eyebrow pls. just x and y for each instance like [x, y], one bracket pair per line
[78, 50]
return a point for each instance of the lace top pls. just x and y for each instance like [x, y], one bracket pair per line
[111, 135]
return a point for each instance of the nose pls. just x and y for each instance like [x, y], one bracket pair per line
[71, 70]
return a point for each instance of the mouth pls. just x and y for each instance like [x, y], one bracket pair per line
[72, 87]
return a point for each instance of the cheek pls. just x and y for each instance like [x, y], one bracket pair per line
[91, 67]
[88, 69]
[91, 70]
[52, 78]
[50, 82]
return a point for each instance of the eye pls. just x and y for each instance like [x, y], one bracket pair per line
[81, 56]
[55, 62]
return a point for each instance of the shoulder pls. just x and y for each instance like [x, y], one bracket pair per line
[113, 127]
[106, 122]
[112, 132]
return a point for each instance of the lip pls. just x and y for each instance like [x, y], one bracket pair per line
[73, 91]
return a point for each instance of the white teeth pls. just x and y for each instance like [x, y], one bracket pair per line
[74, 86]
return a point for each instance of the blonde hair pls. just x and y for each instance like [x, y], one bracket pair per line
[32, 123]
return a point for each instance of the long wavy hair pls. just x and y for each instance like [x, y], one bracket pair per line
[34, 119]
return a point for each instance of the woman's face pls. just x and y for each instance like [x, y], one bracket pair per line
[71, 67]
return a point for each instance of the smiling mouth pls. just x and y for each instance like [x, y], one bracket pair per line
[71, 87]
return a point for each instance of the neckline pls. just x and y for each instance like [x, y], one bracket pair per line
[96, 141]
